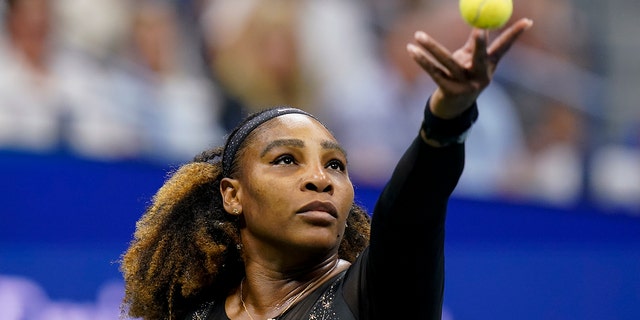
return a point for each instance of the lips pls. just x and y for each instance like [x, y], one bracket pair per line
[327, 207]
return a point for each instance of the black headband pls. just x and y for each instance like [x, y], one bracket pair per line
[237, 137]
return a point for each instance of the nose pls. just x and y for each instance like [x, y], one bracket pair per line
[318, 180]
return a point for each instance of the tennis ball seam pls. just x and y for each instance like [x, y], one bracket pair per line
[478, 11]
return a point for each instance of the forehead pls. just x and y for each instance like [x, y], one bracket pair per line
[292, 126]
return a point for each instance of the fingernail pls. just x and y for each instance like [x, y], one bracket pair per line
[482, 35]
[529, 23]
[412, 48]
[421, 36]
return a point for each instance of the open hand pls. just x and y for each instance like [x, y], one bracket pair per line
[462, 75]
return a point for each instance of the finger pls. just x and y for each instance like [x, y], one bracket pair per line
[429, 64]
[440, 53]
[479, 65]
[470, 44]
[508, 37]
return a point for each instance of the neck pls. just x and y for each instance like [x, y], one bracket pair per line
[288, 301]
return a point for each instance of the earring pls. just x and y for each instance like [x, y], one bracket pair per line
[236, 211]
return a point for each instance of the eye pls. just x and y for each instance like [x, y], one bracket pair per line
[284, 159]
[336, 165]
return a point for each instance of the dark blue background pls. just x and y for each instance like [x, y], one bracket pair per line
[65, 221]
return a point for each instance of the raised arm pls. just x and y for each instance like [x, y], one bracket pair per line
[406, 257]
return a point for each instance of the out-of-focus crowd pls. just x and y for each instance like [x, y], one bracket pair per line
[163, 80]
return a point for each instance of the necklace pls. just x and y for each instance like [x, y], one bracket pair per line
[289, 302]
[244, 306]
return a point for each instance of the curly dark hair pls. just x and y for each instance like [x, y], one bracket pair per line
[186, 247]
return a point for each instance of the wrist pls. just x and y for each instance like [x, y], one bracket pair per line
[440, 132]
[449, 107]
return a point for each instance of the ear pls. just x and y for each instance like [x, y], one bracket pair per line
[230, 190]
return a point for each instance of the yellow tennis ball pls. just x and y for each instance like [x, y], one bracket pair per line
[486, 14]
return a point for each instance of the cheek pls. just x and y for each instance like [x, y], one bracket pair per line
[347, 198]
[261, 194]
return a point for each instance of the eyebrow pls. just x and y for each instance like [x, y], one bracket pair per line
[297, 143]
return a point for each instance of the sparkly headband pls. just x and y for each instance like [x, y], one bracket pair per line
[237, 137]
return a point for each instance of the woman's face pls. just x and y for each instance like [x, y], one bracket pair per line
[294, 189]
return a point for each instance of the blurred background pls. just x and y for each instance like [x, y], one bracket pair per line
[101, 99]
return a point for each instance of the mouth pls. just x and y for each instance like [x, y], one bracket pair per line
[320, 206]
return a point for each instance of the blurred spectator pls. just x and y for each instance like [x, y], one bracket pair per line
[552, 167]
[28, 113]
[616, 177]
[51, 96]
[159, 85]
[254, 52]
[615, 170]
[304, 53]
[96, 28]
